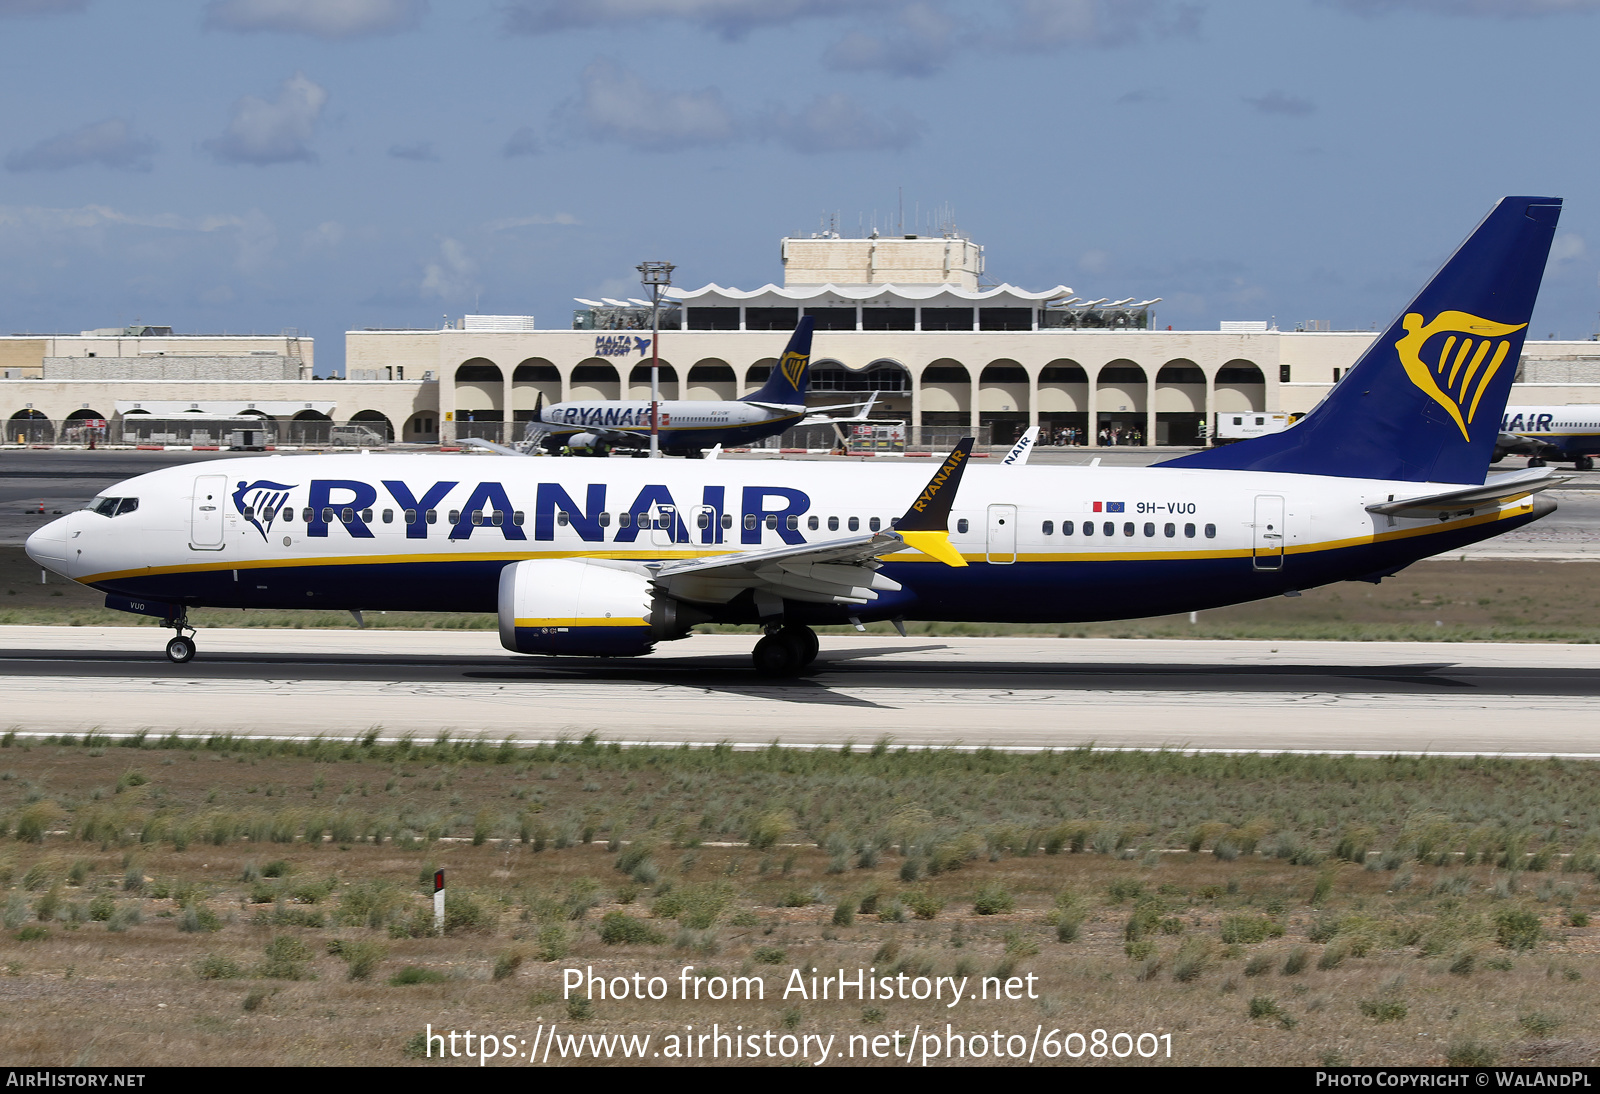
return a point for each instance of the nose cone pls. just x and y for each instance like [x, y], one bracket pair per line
[48, 546]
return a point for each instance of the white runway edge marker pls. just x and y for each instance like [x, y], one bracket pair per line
[438, 901]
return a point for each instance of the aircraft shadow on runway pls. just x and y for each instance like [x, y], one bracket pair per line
[837, 678]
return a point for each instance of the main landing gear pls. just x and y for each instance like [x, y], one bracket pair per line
[785, 651]
[180, 650]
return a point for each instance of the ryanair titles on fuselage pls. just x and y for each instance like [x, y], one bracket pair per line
[487, 510]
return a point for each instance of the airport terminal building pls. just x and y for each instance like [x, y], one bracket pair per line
[907, 318]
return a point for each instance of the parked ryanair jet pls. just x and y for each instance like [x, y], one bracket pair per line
[1545, 433]
[608, 558]
[688, 426]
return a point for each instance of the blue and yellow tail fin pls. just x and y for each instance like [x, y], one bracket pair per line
[1423, 404]
[787, 384]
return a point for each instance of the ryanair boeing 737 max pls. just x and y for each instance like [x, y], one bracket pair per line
[609, 557]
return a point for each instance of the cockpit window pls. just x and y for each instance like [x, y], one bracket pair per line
[112, 507]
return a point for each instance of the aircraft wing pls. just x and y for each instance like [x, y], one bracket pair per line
[838, 571]
[1497, 491]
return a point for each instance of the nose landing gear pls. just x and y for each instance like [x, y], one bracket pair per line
[180, 650]
[785, 651]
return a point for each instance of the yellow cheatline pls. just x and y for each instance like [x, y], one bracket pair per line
[935, 545]
[588, 622]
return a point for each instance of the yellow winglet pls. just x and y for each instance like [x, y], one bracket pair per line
[935, 545]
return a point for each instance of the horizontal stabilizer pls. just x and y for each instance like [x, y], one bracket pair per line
[1497, 491]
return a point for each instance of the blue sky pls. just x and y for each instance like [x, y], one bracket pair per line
[326, 164]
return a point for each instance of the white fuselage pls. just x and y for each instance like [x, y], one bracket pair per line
[1044, 543]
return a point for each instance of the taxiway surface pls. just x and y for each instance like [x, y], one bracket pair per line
[1001, 692]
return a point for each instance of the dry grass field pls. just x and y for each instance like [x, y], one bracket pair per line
[251, 902]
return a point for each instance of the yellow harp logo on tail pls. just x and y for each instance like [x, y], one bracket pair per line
[793, 367]
[1456, 371]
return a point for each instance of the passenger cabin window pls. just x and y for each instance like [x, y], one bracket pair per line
[516, 518]
[388, 516]
[1108, 529]
[411, 516]
[1066, 527]
[772, 521]
[433, 516]
[1211, 531]
[1127, 528]
[1149, 530]
[642, 520]
[855, 524]
[327, 516]
[477, 516]
[561, 517]
[366, 516]
[792, 522]
[605, 519]
[1170, 530]
[1088, 527]
[961, 526]
[812, 523]
[703, 520]
[1188, 531]
[287, 513]
[874, 524]
[727, 520]
[833, 524]
[308, 515]
[749, 521]
[1048, 527]
[624, 520]
[347, 515]
[499, 517]
[455, 516]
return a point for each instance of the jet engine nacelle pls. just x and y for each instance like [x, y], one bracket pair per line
[581, 607]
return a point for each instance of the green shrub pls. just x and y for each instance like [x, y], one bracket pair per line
[1517, 928]
[769, 829]
[844, 914]
[373, 904]
[1192, 960]
[993, 899]
[1249, 929]
[1465, 1053]
[1464, 963]
[197, 918]
[1259, 965]
[1539, 1023]
[287, 958]
[102, 907]
[768, 955]
[1384, 1010]
[1333, 955]
[46, 907]
[464, 913]
[620, 928]
[1124, 889]
[411, 974]
[276, 868]
[551, 943]
[32, 933]
[1296, 962]
[1263, 1006]
[579, 1010]
[1070, 924]
[923, 905]
[362, 958]
[1578, 919]
[506, 965]
[217, 967]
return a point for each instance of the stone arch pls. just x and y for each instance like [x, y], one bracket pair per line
[595, 378]
[479, 391]
[78, 415]
[946, 388]
[310, 427]
[883, 374]
[1063, 387]
[1122, 402]
[757, 374]
[712, 379]
[1002, 399]
[1240, 386]
[30, 427]
[639, 381]
[375, 420]
[1180, 403]
[422, 427]
[531, 379]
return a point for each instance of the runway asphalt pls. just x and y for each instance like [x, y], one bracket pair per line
[1374, 698]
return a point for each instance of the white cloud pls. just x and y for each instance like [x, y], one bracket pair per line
[450, 276]
[15, 9]
[614, 104]
[1567, 248]
[1495, 9]
[254, 237]
[324, 237]
[110, 143]
[420, 152]
[918, 41]
[838, 123]
[524, 142]
[328, 19]
[280, 131]
[1094, 261]
[729, 18]
[1278, 102]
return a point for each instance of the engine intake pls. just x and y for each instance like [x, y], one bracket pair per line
[585, 608]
